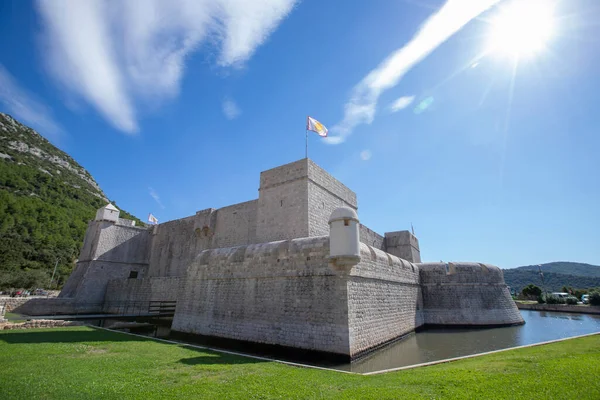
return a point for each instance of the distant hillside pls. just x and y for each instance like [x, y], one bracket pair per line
[567, 268]
[556, 275]
[46, 200]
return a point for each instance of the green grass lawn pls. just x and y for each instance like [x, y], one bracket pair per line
[81, 362]
[12, 317]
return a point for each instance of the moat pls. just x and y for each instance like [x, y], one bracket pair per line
[439, 344]
[434, 344]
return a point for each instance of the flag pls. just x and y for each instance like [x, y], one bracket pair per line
[152, 219]
[315, 126]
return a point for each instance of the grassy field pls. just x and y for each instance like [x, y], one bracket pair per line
[81, 362]
[12, 317]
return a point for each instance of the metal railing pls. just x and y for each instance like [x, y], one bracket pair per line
[153, 308]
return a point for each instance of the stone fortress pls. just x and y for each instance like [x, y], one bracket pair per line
[293, 268]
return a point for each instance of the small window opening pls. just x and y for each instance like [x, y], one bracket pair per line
[346, 222]
[133, 274]
[281, 203]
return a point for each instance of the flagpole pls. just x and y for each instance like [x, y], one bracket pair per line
[306, 152]
[306, 133]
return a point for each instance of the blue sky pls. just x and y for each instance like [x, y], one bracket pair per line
[177, 106]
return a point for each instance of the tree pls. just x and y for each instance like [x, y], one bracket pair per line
[531, 291]
[595, 298]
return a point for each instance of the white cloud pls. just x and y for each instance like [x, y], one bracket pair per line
[448, 20]
[24, 106]
[401, 103]
[365, 155]
[156, 197]
[116, 54]
[231, 109]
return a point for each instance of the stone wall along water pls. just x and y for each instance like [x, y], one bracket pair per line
[466, 294]
[280, 293]
[384, 300]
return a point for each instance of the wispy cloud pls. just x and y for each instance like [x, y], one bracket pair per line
[401, 103]
[25, 106]
[156, 197]
[117, 54]
[449, 19]
[231, 109]
[365, 155]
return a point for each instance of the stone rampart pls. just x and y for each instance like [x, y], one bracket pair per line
[174, 246]
[371, 238]
[136, 294]
[325, 194]
[466, 294]
[54, 306]
[176, 243]
[568, 308]
[283, 203]
[89, 280]
[384, 299]
[109, 251]
[281, 293]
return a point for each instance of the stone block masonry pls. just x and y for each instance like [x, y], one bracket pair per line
[384, 300]
[286, 293]
[136, 294]
[281, 293]
[262, 271]
[466, 294]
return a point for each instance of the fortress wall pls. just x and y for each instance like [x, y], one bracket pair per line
[174, 246]
[325, 180]
[107, 241]
[135, 294]
[235, 225]
[176, 243]
[282, 203]
[321, 203]
[123, 244]
[466, 294]
[384, 299]
[371, 238]
[403, 244]
[325, 194]
[281, 293]
[109, 252]
[88, 283]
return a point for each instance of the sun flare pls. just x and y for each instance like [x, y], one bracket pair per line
[522, 28]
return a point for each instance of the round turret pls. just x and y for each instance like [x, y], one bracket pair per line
[344, 237]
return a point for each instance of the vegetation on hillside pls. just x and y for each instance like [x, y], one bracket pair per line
[46, 200]
[566, 268]
[556, 276]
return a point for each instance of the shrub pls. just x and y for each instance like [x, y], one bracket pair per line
[595, 299]
[572, 301]
[554, 300]
[540, 299]
[531, 291]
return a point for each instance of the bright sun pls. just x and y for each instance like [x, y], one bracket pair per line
[522, 28]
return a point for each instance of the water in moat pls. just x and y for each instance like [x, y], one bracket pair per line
[439, 344]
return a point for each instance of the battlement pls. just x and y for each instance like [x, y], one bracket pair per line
[293, 268]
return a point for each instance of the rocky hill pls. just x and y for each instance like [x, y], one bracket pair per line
[556, 275]
[46, 200]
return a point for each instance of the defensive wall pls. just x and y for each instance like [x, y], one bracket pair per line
[266, 271]
[294, 201]
[466, 294]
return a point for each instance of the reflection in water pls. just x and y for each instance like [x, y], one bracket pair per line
[439, 344]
